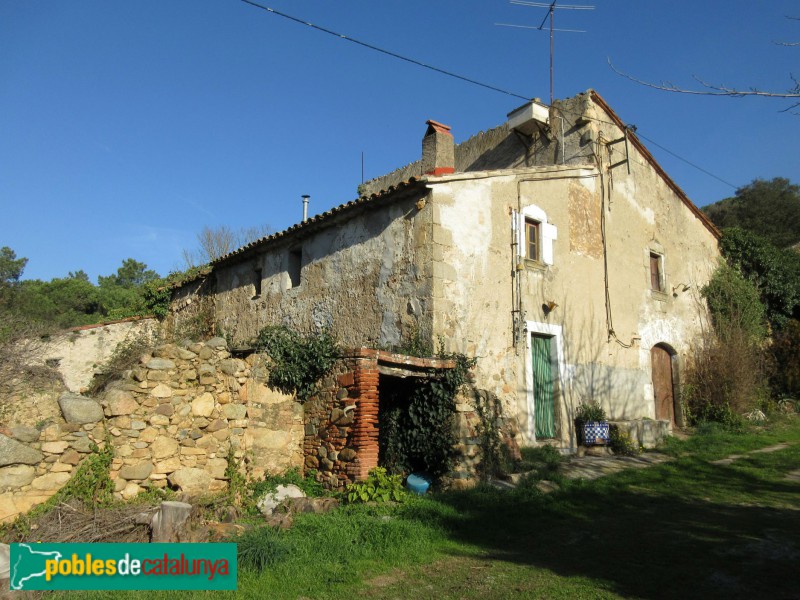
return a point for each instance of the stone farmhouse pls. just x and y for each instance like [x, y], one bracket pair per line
[553, 248]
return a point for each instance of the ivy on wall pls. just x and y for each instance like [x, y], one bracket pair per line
[416, 426]
[298, 361]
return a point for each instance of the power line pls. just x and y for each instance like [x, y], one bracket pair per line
[688, 162]
[654, 143]
[387, 52]
[467, 79]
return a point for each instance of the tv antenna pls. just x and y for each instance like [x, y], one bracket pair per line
[551, 9]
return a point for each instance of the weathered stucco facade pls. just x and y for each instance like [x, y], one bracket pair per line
[557, 230]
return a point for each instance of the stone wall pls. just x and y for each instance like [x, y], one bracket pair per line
[173, 421]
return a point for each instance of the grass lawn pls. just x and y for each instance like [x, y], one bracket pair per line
[684, 529]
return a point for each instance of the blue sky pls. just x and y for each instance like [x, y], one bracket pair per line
[126, 127]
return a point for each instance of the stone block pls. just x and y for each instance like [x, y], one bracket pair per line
[71, 457]
[217, 425]
[162, 364]
[203, 405]
[165, 409]
[131, 490]
[208, 442]
[138, 471]
[185, 354]
[217, 343]
[50, 482]
[78, 409]
[232, 366]
[163, 447]
[55, 447]
[120, 402]
[161, 391]
[270, 501]
[169, 465]
[159, 421]
[191, 480]
[235, 411]
[149, 434]
[82, 445]
[269, 438]
[13, 452]
[216, 467]
[23, 433]
[16, 476]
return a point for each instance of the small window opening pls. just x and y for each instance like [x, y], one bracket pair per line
[257, 278]
[656, 279]
[532, 239]
[295, 266]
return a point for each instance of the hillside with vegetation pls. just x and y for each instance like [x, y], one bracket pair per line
[750, 359]
[769, 208]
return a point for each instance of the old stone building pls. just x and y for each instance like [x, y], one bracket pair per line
[553, 248]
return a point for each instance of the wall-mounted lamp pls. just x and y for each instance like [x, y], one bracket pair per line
[548, 307]
[685, 287]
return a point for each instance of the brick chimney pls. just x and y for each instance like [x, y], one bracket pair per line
[438, 157]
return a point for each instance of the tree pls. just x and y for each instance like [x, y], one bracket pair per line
[774, 271]
[769, 208]
[11, 267]
[735, 305]
[132, 273]
[215, 243]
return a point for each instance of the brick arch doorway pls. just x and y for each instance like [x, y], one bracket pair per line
[664, 374]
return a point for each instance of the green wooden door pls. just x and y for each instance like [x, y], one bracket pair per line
[543, 396]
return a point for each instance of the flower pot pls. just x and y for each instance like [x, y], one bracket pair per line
[594, 433]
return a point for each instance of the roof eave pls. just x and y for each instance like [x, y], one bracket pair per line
[598, 100]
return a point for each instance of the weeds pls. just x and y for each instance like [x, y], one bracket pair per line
[126, 356]
[378, 487]
[621, 442]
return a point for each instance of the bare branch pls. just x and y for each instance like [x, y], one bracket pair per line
[711, 90]
[214, 243]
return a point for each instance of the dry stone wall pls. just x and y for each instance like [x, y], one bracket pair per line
[173, 421]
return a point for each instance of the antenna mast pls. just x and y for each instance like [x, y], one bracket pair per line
[551, 9]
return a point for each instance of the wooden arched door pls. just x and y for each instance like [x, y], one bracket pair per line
[663, 391]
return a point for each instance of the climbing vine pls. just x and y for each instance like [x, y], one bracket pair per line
[417, 431]
[298, 361]
[494, 457]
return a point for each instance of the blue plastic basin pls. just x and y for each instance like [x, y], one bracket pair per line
[418, 483]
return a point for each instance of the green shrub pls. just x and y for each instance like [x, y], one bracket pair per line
[262, 548]
[727, 373]
[720, 415]
[735, 306]
[590, 411]
[621, 443]
[298, 361]
[308, 483]
[785, 349]
[379, 487]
